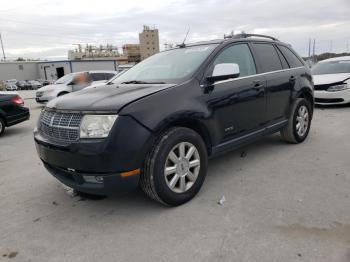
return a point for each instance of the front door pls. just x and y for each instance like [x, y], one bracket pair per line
[239, 104]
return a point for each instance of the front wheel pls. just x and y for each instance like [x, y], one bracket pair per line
[176, 167]
[299, 122]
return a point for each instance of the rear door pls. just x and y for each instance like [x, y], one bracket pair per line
[279, 81]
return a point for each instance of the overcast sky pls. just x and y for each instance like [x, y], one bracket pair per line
[47, 29]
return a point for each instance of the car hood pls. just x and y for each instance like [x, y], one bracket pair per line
[110, 98]
[50, 87]
[330, 78]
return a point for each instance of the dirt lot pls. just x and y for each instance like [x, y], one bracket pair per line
[283, 203]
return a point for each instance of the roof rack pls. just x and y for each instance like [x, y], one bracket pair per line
[244, 35]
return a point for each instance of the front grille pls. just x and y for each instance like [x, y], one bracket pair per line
[326, 86]
[329, 100]
[60, 127]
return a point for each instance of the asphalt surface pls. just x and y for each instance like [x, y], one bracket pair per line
[283, 203]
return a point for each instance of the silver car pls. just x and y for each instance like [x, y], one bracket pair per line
[72, 82]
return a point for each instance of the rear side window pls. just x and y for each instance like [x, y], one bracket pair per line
[97, 76]
[292, 59]
[268, 57]
[283, 59]
[239, 54]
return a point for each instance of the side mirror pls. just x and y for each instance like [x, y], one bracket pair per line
[224, 71]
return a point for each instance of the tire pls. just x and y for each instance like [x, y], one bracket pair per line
[291, 133]
[2, 126]
[186, 185]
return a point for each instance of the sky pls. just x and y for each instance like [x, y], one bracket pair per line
[48, 29]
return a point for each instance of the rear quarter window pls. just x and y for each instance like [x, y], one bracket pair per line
[292, 59]
[268, 57]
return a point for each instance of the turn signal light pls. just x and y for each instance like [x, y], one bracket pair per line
[130, 173]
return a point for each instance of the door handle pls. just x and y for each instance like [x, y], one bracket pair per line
[257, 85]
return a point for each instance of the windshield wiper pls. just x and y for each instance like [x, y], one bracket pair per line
[140, 82]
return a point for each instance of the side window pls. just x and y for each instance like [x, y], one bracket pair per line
[109, 76]
[292, 59]
[97, 76]
[283, 59]
[239, 54]
[268, 57]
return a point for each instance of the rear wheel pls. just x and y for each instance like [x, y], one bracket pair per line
[176, 167]
[299, 122]
[2, 126]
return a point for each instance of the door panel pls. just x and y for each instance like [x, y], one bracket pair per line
[278, 84]
[238, 106]
[279, 91]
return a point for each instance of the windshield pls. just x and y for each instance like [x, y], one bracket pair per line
[331, 67]
[168, 66]
[65, 79]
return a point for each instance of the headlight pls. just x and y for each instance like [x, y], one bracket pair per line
[337, 88]
[96, 126]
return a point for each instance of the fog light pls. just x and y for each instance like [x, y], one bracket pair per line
[93, 179]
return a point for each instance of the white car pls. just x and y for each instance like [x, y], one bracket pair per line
[332, 81]
[68, 84]
[11, 87]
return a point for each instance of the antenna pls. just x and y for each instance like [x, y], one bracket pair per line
[183, 43]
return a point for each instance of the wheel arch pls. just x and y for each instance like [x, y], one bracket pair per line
[191, 123]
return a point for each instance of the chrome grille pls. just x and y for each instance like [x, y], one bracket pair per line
[60, 127]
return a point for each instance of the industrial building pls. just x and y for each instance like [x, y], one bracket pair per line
[149, 42]
[51, 70]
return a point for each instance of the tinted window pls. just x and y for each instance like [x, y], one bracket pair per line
[239, 54]
[283, 59]
[292, 59]
[268, 57]
[97, 76]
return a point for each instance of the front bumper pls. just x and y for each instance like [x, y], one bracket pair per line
[123, 150]
[44, 98]
[332, 98]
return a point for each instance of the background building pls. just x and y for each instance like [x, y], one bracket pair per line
[132, 52]
[91, 52]
[149, 42]
[52, 70]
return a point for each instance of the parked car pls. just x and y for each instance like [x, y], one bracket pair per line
[11, 81]
[34, 85]
[11, 87]
[69, 83]
[23, 85]
[162, 119]
[109, 82]
[44, 82]
[12, 110]
[332, 81]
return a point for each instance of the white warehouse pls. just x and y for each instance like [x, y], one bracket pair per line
[51, 70]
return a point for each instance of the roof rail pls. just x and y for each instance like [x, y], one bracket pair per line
[244, 35]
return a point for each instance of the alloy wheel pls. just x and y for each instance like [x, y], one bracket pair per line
[182, 167]
[302, 121]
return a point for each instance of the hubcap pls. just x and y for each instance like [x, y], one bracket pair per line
[182, 167]
[302, 122]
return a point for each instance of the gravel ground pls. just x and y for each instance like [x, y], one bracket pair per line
[283, 203]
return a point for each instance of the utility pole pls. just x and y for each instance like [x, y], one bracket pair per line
[347, 46]
[309, 48]
[2, 47]
[313, 51]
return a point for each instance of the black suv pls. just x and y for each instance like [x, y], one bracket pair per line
[157, 124]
